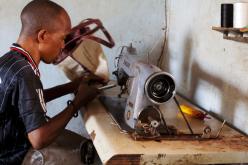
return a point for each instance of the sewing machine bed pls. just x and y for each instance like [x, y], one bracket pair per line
[116, 147]
[115, 106]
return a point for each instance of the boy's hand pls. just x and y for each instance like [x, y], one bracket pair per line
[84, 95]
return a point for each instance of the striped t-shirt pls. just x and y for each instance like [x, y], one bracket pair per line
[22, 107]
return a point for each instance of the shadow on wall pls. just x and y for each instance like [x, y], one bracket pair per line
[193, 75]
[187, 58]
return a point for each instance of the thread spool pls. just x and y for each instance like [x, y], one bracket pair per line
[240, 15]
[227, 15]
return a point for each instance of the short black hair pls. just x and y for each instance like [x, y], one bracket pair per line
[39, 14]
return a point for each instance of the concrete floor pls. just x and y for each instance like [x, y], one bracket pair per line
[65, 150]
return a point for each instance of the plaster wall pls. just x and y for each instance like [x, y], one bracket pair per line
[210, 71]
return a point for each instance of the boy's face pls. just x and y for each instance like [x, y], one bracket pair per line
[55, 40]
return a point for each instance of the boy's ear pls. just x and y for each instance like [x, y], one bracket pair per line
[42, 36]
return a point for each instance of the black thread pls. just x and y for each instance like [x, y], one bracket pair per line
[227, 15]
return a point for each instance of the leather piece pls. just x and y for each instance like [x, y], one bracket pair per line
[87, 57]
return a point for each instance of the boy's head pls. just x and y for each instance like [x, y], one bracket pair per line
[47, 24]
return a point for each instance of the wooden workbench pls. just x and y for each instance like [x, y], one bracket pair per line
[116, 147]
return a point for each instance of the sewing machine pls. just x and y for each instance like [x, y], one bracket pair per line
[143, 89]
[147, 87]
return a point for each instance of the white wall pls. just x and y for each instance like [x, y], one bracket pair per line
[211, 71]
[141, 22]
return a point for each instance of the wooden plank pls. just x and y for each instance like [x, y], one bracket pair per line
[133, 159]
[234, 38]
[114, 146]
[233, 34]
[227, 30]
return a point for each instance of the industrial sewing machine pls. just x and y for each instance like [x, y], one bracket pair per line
[147, 87]
[143, 88]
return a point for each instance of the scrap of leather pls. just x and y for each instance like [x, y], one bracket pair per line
[83, 52]
[87, 57]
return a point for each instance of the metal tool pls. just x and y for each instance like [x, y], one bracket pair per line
[109, 86]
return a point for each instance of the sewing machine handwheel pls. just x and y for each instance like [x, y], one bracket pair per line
[88, 152]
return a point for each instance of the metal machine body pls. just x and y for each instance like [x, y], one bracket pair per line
[146, 87]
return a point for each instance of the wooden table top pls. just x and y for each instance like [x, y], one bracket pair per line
[116, 147]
